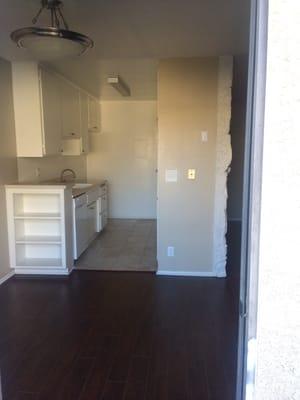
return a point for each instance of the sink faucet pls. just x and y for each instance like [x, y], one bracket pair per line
[63, 172]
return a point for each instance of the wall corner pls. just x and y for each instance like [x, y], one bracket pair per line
[223, 160]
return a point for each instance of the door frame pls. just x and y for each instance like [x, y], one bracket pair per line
[253, 157]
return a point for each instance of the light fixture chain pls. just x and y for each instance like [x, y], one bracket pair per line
[34, 20]
[52, 18]
[56, 13]
[63, 18]
[56, 18]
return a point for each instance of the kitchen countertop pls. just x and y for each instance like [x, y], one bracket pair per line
[52, 183]
[80, 191]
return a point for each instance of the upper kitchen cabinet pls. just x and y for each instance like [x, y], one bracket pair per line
[94, 115]
[37, 108]
[70, 101]
[52, 115]
[76, 142]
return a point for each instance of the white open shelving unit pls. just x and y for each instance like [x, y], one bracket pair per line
[40, 229]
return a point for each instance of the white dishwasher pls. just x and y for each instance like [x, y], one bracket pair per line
[87, 221]
[91, 217]
[92, 213]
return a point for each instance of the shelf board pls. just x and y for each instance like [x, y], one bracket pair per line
[38, 216]
[40, 262]
[39, 240]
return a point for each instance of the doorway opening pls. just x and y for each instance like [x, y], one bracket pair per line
[125, 155]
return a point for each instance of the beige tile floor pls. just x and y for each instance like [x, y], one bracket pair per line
[124, 245]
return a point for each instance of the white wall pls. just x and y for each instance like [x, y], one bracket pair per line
[8, 162]
[188, 100]
[278, 364]
[125, 154]
[50, 167]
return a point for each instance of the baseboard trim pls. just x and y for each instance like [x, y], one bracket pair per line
[135, 218]
[42, 271]
[187, 273]
[6, 277]
[71, 270]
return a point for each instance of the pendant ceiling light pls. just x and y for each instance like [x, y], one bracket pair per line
[54, 41]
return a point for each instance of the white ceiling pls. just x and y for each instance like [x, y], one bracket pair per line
[131, 35]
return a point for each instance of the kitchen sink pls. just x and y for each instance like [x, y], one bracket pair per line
[81, 185]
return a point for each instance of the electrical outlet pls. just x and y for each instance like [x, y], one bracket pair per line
[170, 251]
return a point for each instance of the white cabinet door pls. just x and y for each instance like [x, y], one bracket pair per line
[26, 82]
[99, 215]
[81, 230]
[94, 115]
[104, 219]
[70, 110]
[104, 203]
[91, 221]
[51, 113]
[84, 117]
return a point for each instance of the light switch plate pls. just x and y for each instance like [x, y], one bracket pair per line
[170, 251]
[171, 175]
[191, 174]
[204, 136]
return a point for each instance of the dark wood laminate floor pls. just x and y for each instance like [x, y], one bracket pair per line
[119, 336]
